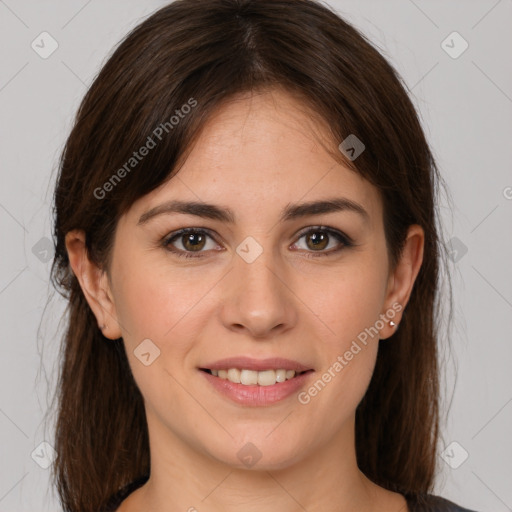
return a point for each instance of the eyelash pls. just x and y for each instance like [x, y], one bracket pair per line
[344, 239]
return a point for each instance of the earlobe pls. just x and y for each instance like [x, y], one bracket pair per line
[401, 282]
[94, 283]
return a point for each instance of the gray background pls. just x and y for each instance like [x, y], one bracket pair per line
[465, 105]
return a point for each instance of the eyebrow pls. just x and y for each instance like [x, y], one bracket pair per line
[223, 214]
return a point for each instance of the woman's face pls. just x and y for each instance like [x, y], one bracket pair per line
[270, 279]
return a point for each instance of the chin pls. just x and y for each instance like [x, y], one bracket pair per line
[259, 452]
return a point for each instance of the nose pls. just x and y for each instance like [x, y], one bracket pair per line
[259, 298]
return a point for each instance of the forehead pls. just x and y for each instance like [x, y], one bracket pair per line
[260, 152]
[272, 126]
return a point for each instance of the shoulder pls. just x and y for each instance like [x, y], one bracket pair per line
[117, 498]
[424, 502]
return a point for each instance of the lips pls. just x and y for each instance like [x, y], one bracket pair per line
[257, 394]
[256, 382]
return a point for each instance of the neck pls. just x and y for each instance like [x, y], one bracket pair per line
[324, 477]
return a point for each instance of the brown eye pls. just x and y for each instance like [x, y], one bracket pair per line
[319, 238]
[191, 241]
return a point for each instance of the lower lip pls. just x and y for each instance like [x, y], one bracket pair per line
[254, 394]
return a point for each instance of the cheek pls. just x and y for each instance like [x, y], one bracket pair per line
[156, 302]
[153, 306]
[139, 306]
[346, 302]
[348, 332]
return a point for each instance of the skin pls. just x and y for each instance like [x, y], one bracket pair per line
[255, 155]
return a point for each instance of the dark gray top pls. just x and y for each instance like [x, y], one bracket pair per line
[415, 502]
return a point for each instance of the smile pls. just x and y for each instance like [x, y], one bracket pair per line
[256, 388]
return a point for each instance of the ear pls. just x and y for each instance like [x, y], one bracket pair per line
[94, 283]
[401, 280]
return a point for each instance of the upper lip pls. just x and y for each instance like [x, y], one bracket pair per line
[247, 363]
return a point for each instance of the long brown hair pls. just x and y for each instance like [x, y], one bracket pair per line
[207, 51]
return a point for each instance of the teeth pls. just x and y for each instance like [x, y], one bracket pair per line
[234, 375]
[251, 377]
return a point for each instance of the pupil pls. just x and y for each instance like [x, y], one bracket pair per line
[189, 240]
[318, 239]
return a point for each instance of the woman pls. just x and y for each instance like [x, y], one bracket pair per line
[246, 231]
